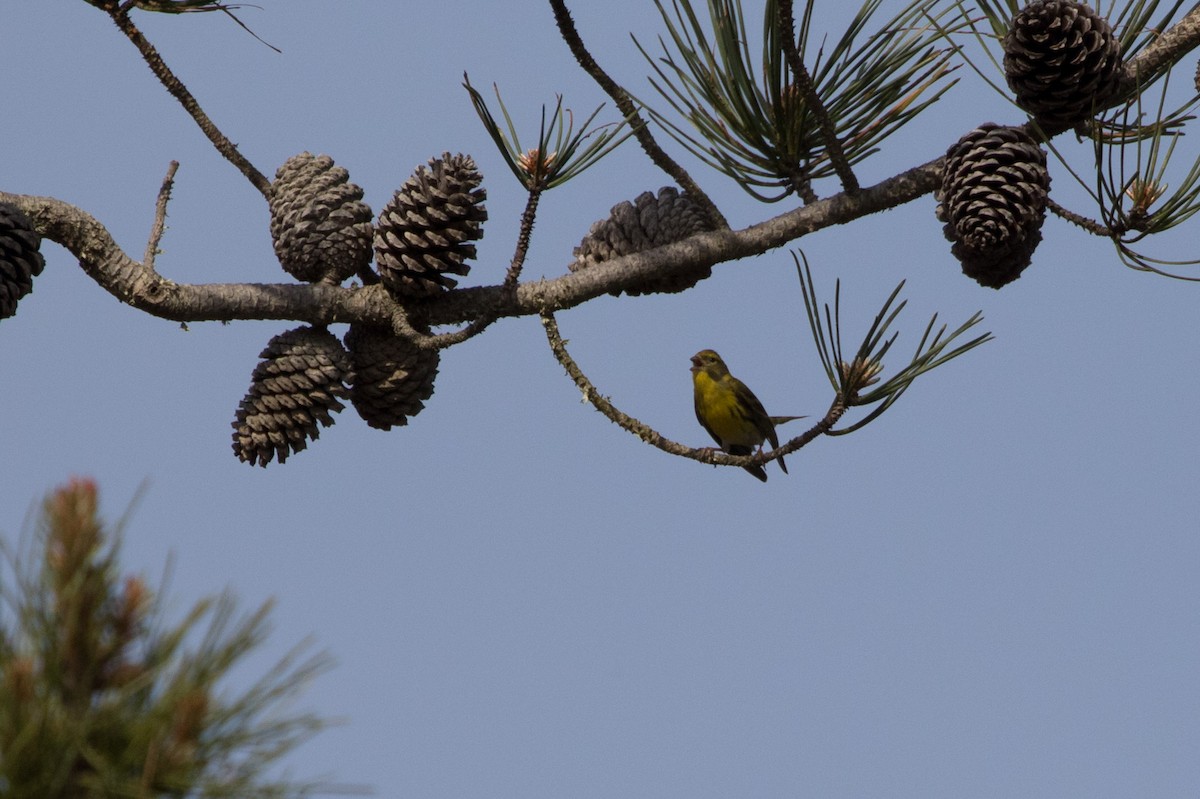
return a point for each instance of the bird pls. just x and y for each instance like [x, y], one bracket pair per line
[730, 412]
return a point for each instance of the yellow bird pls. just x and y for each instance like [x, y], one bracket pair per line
[730, 412]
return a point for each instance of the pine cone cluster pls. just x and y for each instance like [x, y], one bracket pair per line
[1062, 61]
[993, 202]
[20, 260]
[649, 221]
[426, 233]
[295, 387]
[392, 377]
[319, 224]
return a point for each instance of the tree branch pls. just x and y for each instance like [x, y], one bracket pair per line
[133, 283]
[803, 81]
[1167, 50]
[481, 323]
[655, 439]
[1079, 220]
[140, 286]
[180, 92]
[144, 289]
[625, 105]
[160, 216]
[137, 284]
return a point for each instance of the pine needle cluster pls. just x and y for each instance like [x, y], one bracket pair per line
[100, 698]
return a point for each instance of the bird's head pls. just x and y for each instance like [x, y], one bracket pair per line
[708, 361]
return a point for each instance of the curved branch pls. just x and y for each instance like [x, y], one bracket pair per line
[655, 439]
[141, 287]
[133, 283]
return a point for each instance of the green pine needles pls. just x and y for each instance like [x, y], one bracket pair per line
[856, 380]
[100, 698]
[757, 126]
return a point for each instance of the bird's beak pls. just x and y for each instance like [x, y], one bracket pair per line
[695, 363]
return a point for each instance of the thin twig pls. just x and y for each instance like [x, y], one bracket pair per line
[528, 216]
[186, 7]
[803, 81]
[655, 439]
[160, 216]
[625, 105]
[180, 92]
[1090, 225]
[429, 341]
[508, 288]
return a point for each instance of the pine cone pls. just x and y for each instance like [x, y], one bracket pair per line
[425, 233]
[649, 221]
[19, 257]
[993, 201]
[295, 386]
[1062, 61]
[319, 224]
[392, 377]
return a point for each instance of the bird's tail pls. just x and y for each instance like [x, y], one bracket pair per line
[758, 472]
[778, 420]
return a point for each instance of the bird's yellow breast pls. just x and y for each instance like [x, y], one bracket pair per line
[718, 409]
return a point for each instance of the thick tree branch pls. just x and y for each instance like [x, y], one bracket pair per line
[132, 282]
[143, 288]
[137, 284]
[1167, 50]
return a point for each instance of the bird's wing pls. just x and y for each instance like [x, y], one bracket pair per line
[755, 412]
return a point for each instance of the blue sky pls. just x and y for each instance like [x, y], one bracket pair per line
[990, 591]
